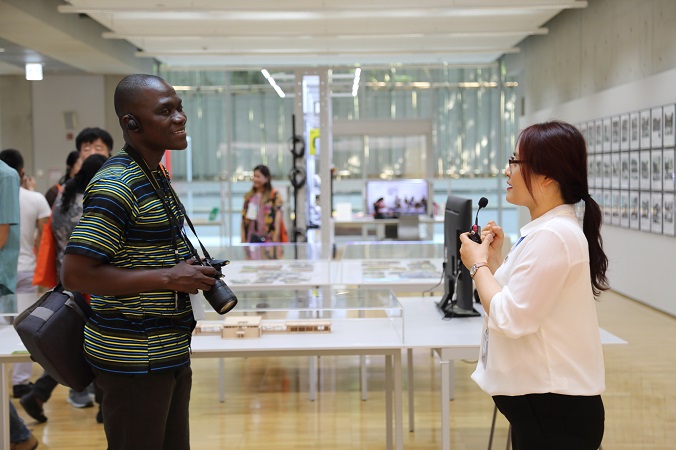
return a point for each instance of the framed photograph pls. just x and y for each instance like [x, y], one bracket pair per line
[656, 212]
[591, 137]
[656, 130]
[607, 207]
[656, 170]
[624, 132]
[598, 126]
[634, 166]
[624, 209]
[668, 126]
[615, 207]
[598, 162]
[645, 211]
[607, 170]
[634, 210]
[591, 171]
[644, 170]
[669, 176]
[634, 131]
[645, 129]
[668, 224]
[606, 134]
[615, 133]
[624, 170]
[615, 170]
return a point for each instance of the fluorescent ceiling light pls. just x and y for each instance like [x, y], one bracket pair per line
[272, 82]
[34, 71]
[355, 83]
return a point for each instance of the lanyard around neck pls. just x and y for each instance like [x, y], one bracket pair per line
[174, 223]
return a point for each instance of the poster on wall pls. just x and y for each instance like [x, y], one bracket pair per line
[656, 212]
[634, 131]
[591, 171]
[624, 132]
[656, 170]
[607, 207]
[591, 137]
[668, 125]
[598, 161]
[669, 176]
[668, 223]
[598, 125]
[645, 211]
[606, 134]
[615, 170]
[656, 128]
[615, 133]
[644, 171]
[634, 164]
[624, 209]
[624, 170]
[634, 209]
[615, 207]
[645, 129]
[607, 170]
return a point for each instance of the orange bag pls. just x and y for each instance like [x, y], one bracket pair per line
[45, 266]
[283, 234]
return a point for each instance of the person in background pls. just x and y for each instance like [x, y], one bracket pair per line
[88, 142]
[541, 357]
[262, 211]
[20, 437]
[34, 213]
[65, 216]
[72, 166]
[128, 252]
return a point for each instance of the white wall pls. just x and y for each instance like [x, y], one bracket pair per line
[642, 265]
[52, 141]
[614, 57]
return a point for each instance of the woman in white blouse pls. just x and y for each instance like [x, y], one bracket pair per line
[541, 357]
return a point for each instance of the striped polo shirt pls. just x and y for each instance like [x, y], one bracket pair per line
[125, 224]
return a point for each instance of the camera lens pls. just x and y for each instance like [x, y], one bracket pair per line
[221, 297]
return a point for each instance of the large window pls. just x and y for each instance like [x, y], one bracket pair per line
[237, 121]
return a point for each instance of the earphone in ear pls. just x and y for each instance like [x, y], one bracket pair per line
[132, 123]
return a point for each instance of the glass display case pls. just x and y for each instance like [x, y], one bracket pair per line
[347, 315]
[392, 249]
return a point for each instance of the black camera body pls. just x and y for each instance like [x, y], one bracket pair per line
[220, 296]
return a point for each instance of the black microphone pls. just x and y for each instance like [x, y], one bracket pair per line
[475, 232]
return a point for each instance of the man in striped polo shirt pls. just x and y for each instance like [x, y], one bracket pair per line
[129, 253]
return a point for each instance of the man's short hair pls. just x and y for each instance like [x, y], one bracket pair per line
[12, 157]
[89, 135]
[128, 88]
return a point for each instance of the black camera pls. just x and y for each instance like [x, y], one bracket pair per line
[220, 296]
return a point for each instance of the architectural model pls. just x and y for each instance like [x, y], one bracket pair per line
[244, 327]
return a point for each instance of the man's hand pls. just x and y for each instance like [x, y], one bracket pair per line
[187, 276]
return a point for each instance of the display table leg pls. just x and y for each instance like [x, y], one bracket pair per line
[4, 408]
[221, 380]
[411, 406]
[362, 378]
[389, 387]
[312, 377]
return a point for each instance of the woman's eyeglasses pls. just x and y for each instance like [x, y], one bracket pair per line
[512, 161]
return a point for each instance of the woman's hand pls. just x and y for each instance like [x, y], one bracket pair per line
[495, 249]
[472, 253]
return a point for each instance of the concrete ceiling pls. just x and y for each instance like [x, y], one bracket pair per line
[124, 36]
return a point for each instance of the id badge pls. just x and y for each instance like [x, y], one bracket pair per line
[484, 347]
[252, 211]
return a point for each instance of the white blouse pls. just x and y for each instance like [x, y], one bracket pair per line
[542, 334]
